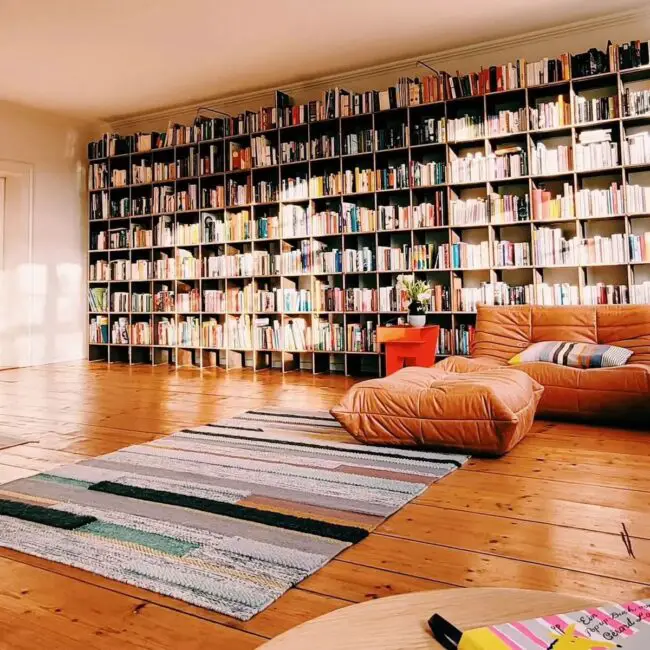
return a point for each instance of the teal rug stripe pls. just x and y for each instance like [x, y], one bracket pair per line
[62, 480]
[161, 543]
[40, 515]
[350, 534]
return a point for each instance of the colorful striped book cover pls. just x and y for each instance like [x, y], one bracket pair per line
[625, 626]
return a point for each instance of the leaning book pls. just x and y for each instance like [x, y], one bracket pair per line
[625, 626]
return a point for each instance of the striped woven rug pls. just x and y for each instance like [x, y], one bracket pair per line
[227, 516]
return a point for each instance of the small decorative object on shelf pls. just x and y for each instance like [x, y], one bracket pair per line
[419, 293]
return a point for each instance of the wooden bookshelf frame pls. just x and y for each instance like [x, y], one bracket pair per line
[347, 361]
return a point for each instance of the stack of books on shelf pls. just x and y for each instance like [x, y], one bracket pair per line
[267, 227]
[604, 250]
[120, 270]
[362, 337]
[99, 271]
[639, 247]
[188, 234]
[188, 300]
[430, 215]
[214, 301]
[424, 256]
[292, 189]
[600, 203]
[293, 151]
[238, 225]
[328, 298]
[636, 148]
[547, 71]
[425, 174]
[547, 207]
[445, 339]
[329, 337]
[637, 199]
[557, 294]
[507, 162]
[466, 127]
[120, 301]
[358, 219]
[292, 301]
[163, 300]
[99, 206]
[141, 333]
[98, 299]
[461, 255]
[595, 109]
[507, 121]
[636, 102]
[506, 253]
[141, 237]
[164, 267]
[470, 168]
[552, 249]
[429, 131]
[545, 160]
[605, 294]
[508, 208]
[212, 333]
[189, 331]
[394, 217]
[142, 303]
[394, 258]
[98, 329]
[295, 221]
[550, 114]
[166, 332]
[361, 300]
[595, 150]
[639, 294]
[239, 332]
[360, 260]
[361, 141]
[497, 293]
[264, 154]
[120, 331]
[464, 337]
[393, 299]
[141, 270]
[268, 335]
[297, 335]
[327, 185]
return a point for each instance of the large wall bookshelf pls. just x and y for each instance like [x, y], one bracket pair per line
[537, 194]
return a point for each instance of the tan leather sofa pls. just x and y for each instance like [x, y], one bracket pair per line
[620, 394]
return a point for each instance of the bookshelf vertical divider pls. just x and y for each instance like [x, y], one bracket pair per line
[348, 361]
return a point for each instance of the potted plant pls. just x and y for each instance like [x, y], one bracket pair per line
[418, 294]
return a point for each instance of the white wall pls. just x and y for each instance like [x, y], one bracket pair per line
[43, 292]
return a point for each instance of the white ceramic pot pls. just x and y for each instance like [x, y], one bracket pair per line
[417, 320]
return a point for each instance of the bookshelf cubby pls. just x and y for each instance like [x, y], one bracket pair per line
[498, 189]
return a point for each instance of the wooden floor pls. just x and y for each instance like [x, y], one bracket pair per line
[548, 516]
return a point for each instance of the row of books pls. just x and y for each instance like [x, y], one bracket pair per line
[495, 208]
[338, 102]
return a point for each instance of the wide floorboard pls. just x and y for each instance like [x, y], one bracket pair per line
[548, 516]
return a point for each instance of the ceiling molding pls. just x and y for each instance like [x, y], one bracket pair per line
[435, 59]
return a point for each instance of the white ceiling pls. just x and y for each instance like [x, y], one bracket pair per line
[99, 59]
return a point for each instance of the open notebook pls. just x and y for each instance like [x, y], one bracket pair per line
[625, 626]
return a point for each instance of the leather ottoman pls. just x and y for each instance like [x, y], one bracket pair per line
[486, 412]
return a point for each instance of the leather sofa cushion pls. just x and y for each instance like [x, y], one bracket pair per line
[485, 412]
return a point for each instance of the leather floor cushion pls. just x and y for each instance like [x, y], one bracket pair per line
[486, 412]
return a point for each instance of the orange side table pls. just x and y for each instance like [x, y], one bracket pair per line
[409, 346]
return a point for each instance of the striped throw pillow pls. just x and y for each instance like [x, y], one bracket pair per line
[574, 355]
